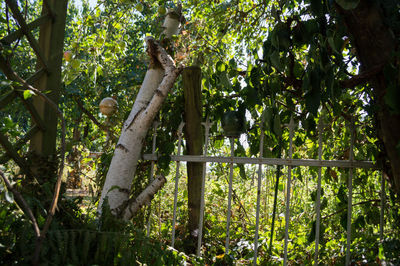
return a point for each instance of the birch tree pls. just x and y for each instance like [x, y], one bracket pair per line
[159, 79]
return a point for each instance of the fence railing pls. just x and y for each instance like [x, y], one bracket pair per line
[289, 162]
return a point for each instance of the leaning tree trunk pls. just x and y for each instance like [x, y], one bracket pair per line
[191, 78]
[375, 44]
[159, 78]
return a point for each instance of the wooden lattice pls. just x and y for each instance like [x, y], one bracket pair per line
[47, 77]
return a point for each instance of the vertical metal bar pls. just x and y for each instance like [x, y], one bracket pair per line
[176, 182]
[318, 199]
[383, 200]
[207, 125]
[288, 185]
[228, 216]
[159, 218]
[259, 181]
[153, 150]
[350, 200]
[266, 175]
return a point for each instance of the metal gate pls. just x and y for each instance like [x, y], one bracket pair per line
[351, 164]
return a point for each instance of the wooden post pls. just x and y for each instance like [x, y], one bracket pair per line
[51, 43]
[194, 144]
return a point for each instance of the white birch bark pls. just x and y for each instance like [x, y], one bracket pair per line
[171, 24]
[152, 93]
[144, 197]
[150, 83]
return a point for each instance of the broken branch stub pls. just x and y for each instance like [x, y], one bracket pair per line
[144, 197]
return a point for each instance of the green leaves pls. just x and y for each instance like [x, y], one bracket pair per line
[220, 66]
[7, 123]
[139, 7]
[255, 76]
[312, 86]
[277, 129]
[304, 32]
[223, 77]
[317, 7]
[280, 37]
[313, 99]
[28, 94]
[268, 115]
[342, 196]
[275, 59]
[343, 220]
[225, 82]
[251, 96]
[335, 41]
[312, 234]
[272, 121]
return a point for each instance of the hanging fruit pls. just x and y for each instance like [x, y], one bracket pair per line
[162, 10]
[108, 106]
[67, 56]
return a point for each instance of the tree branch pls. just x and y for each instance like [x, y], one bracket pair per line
[361, 78]
[13, 153]
[22, 204]
[144, 197]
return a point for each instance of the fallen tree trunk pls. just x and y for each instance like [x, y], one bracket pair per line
[159, 79]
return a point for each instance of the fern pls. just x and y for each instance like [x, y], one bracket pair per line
[87, 237]
[73, 244]
[65, 246]
[84, 247]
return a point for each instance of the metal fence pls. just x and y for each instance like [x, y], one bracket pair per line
[289, 162]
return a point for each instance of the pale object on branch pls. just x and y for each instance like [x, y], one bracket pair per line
[108, 106]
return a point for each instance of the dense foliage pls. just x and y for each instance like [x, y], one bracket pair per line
[272, 61]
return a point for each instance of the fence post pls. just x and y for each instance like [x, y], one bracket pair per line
[318, 199]
[176, 182]
[288, 185]
[194, 142]
[350, 200]
[259, 191]
[207, 126]
[228, 216]
[153, 150]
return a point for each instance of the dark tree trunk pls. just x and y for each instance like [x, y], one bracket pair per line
[194, 144]
[375, 44]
